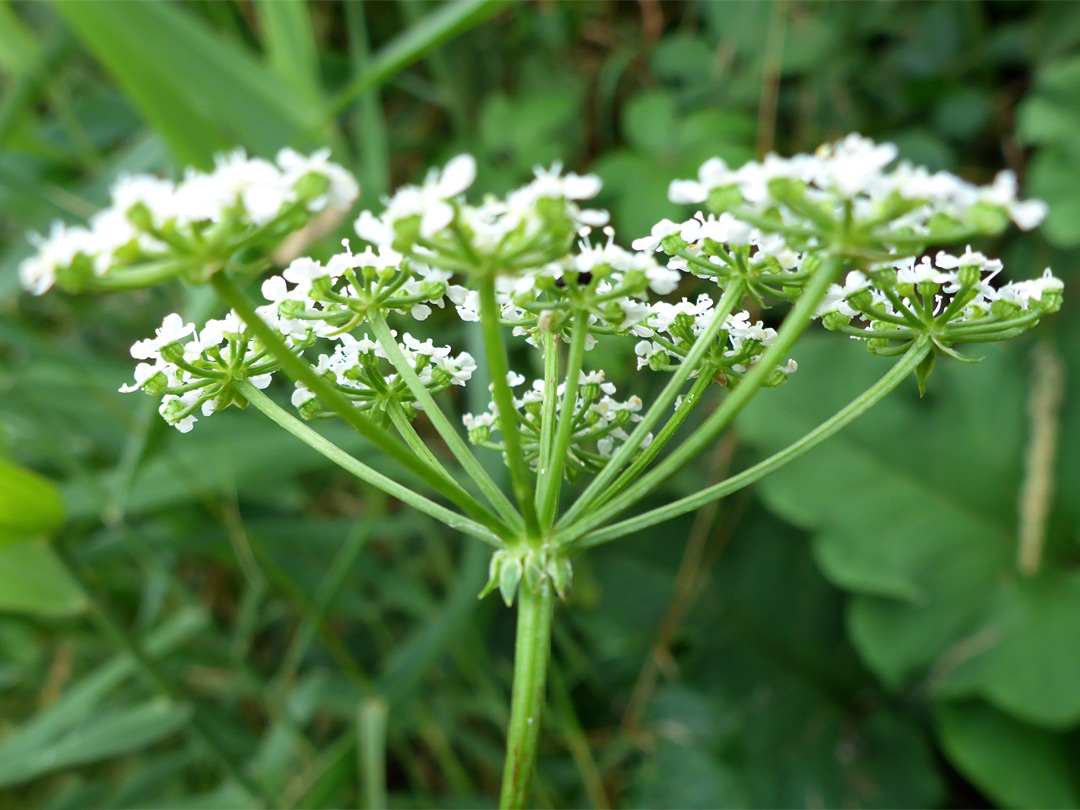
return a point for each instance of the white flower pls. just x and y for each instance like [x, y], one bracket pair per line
[342, 189]
[172, 330]
[660, 231]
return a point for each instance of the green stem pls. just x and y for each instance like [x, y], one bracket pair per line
[412, 439]
[300, 370]
[690, 401]
[499, 368]
[551, 475]
[547, 412]
[371, 748]
[365, 473]
[531, 653]
[730, 299]
[441, 424]
[793, 326]
[856, 408]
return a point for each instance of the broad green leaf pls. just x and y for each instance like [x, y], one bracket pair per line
[30, 505]
[770, 705]
[102, 738]
[1014, 764]
[922, 530]
[33, 580]
[202, 92]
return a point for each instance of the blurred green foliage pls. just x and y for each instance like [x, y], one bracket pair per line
[854, 633]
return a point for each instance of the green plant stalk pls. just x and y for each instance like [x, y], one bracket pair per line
[371, 749]
[841, 419]
[689, 403]
[547, 411]
[532, 650]
[552, 474]
[412, 439]
[441, 424]
[300, 370]
[794, 324]
[499, 367]
[730, 299]
[365, 473]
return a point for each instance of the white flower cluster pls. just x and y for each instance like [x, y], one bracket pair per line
[672, 329]
[533, 225]
[358, 369]
[851, 178]
[720, 248]
[949, 297]
[329, 298]
[152, 220]
[193, 370]
[606, 282]
[597, 427]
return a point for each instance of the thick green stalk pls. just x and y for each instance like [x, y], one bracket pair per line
[794, 324]
[300, 370]
[499, 367]
[441, 424]
[551, 475]
[730, 299]
[852, 411]
[361, 470]
[532, 650]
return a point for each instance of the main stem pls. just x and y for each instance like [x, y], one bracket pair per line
[532, 649]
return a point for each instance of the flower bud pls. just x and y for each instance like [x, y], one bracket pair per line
[173, 352]
[987, 218]
[156, 385]
[672, 244]
[479, 434]
[861, 300]
[724, 199]
[969, 275]
[310, 409]
[834, 320]
[312, 186]
[139, 215]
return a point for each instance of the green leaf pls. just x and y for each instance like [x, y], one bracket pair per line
[1049, 117]
[912, 509]
[203, 93]
[33, 580]
[102, 738]
[1016, 765]
[771, 705]
[30, 506]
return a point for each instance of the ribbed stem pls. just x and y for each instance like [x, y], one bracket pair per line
[532, 650]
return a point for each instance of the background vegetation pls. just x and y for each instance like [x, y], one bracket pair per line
[855, 632]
